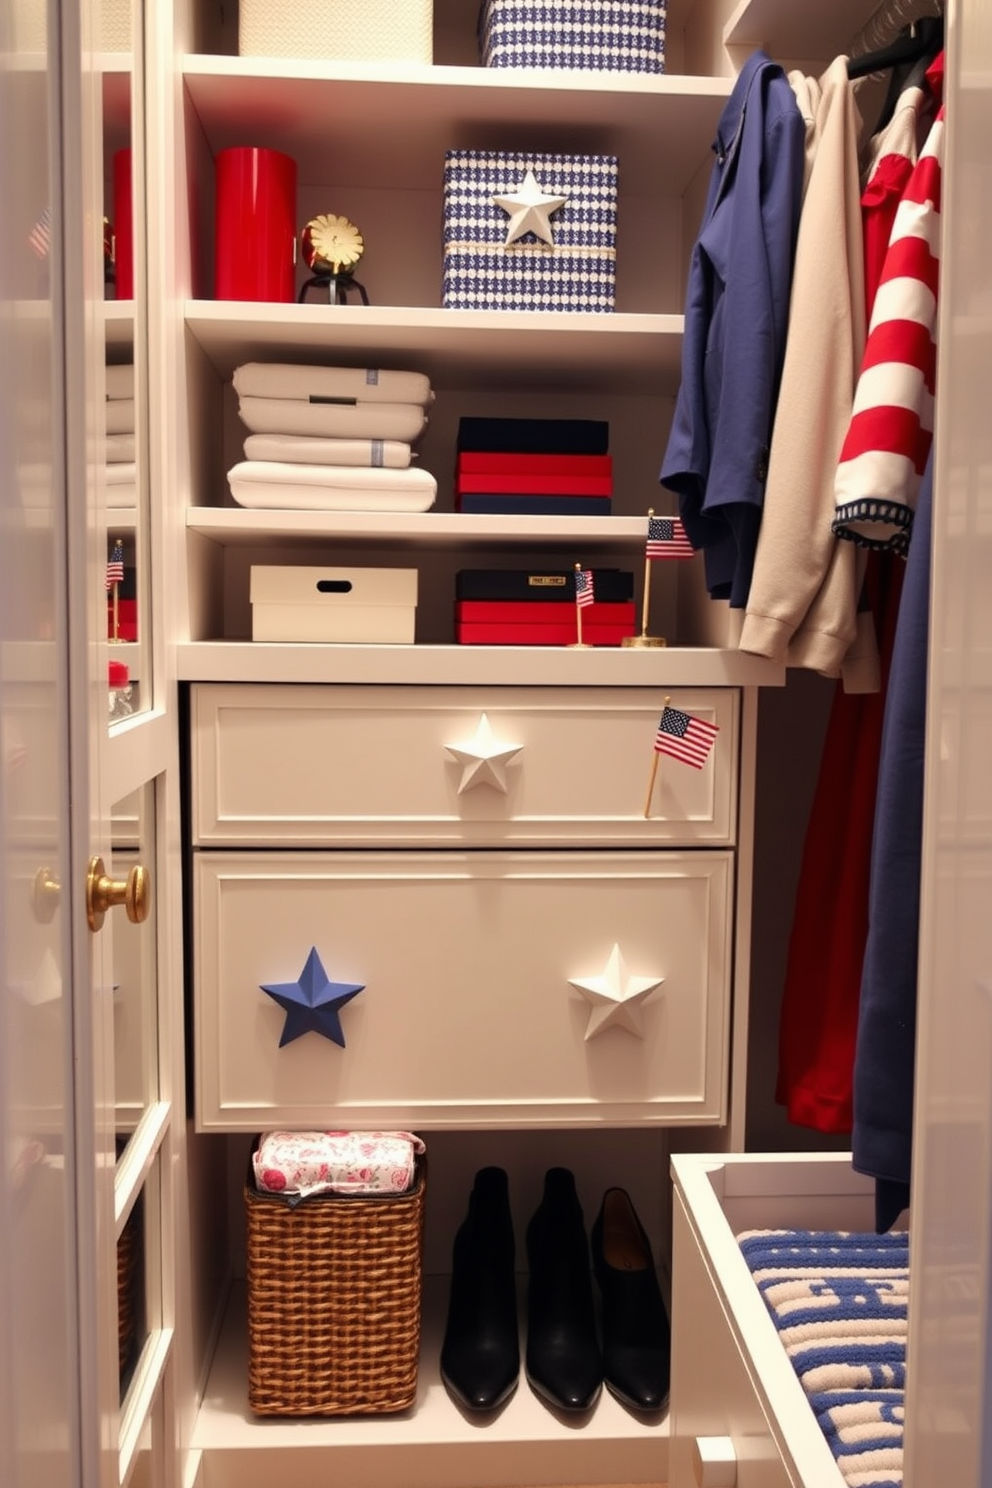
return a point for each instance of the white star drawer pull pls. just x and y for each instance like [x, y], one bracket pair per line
[616, 996]
[483, 759]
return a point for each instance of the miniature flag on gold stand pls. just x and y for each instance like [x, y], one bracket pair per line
[665, 539]
[115, 574]
[584, 595]
[684, 737]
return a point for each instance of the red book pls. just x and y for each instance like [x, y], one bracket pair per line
[500, 633]
[540, 613]
[494, 484]
[476, 461]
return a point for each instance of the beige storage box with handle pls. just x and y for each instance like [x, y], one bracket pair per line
[333, 604]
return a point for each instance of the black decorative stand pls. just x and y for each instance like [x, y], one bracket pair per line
[338, 287]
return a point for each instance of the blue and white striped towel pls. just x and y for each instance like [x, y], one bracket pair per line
[840, 1302]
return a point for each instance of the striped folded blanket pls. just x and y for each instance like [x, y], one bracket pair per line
[839, 1301]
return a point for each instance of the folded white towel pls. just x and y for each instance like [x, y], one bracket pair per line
[121, 473]
[120, 381]
[119, 415]
[299, 450]
[271, 484]
[367, 384]
[120, 447]
[403, 421]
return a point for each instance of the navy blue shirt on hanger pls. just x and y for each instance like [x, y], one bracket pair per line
[736, 316]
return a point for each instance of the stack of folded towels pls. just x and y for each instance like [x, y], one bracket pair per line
[121, 486]
[331, 438]
[536, 466]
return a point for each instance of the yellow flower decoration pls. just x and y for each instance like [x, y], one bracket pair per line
[331, 245]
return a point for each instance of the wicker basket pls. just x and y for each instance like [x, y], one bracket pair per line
[334, 1291]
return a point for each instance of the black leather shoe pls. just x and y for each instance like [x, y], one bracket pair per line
[480, 1355]
[637, 1341]
[563, 1362]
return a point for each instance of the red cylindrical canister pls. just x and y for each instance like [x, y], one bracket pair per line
[255, 242]
[123, 225]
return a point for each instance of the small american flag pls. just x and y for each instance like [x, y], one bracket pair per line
[40, 236]
[584, 594]
[667, 539]
[115, 568]
[684, 737]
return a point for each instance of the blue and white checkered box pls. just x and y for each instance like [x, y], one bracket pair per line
[575, 271]
[603, 35]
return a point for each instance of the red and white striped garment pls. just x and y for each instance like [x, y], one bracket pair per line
[885, 451]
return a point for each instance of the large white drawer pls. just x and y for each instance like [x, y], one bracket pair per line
[405, 766]
[468, 1016]
[731, 1376]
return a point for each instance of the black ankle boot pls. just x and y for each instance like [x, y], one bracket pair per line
[563, 1360]
[480, 1355]
[636, 1336]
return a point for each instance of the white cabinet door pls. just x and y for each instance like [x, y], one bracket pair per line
[56, 1367]
[70, 1412]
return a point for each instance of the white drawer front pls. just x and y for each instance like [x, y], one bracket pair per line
[409, 766]
[712, 1392]
[731, 1375]
[468, 1014]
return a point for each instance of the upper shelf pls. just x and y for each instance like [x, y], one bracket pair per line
[479, 666]
[361, 124]
[456, 348]
[786, 29]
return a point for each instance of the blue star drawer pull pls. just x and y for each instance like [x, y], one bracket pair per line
[312, 1003]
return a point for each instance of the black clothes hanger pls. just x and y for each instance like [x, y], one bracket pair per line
[923, 39]
[910, 72]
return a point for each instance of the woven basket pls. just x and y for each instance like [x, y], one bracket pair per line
[334, 1292]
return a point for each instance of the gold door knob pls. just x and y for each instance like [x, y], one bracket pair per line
[103, 893]
[45, 896]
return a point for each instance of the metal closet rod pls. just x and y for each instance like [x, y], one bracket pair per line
[891, 17]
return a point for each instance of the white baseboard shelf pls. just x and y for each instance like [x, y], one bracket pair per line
[434, 1445]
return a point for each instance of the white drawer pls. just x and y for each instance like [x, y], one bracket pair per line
[468, 1015]
[374, 766]
[731, 1377]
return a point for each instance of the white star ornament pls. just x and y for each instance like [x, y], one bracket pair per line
[530, 209]
[483, 759]
[616, 996]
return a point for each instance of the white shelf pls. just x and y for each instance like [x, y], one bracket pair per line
[481, 666]
[431, 1446]
[463, 349]
[361, 122]
[251, 528]
[121, 520]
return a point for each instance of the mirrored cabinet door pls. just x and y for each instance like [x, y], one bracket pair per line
[125, 466]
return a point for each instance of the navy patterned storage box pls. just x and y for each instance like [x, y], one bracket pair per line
[606, 35]
[529, 232]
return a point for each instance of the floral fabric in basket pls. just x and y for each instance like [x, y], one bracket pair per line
[300, 1163]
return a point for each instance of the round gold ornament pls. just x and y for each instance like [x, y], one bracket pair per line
[331, 244]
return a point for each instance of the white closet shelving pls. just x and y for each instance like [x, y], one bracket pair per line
[370, 143]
